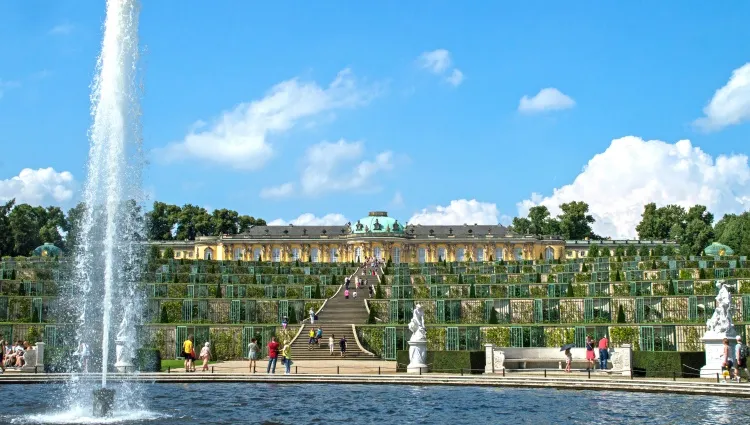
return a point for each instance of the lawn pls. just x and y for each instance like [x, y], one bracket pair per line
[179, 365]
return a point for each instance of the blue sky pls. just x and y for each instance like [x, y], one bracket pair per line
[402, 136]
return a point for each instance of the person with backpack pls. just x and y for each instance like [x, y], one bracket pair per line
[741, 353]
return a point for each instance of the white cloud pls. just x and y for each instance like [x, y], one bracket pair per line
[439, 62]
[336, 167]
[548, 99]
[460, 211]
[309, 219]
[38, 187]
[730, 104]
[61, 29]
[456, 77]
[239, 138]
[280, 191]
[397, 201]
[631, 172]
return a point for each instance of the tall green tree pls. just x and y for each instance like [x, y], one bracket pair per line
[73, 223]
[575, 220]
[25, 223]
[695, 232]
[193, 221]
[521, 225]
[224, 222]
[734, 231]
[6, 238]
[657, 223]
[161, 221]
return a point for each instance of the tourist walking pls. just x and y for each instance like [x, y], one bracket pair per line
[369, 289]
[311, 340]
[740, 360]
[187, 353]
[342, 346]
[726, 360]
[590, 355]
[273, 353]
[354, 295]
[252, 354]
[312, 316]
[284, 322]
[346, 294]
[568, 360]
[318, 336]
[205, 355]
[286, 353]
[603, 352]
[330, 343]
[2, 356]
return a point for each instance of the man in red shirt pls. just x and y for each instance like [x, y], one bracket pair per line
[603, 352]
[273, 354]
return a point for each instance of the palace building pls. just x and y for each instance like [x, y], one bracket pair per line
[384, 237]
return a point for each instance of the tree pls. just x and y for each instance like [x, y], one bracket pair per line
[74, 221]
[317, 295]
[218, 289]
[570, 291]
[493, 316]
[521, 225]
[6, 239]
[575, 221]
[245, 222]
[605, 252]
[734, 231]
[25, 222]
[153, 253]
[460, 279]
[224, 222]
[379, 292]
[670, 287]
[620, 314]
[656, 223]
[472, 290]
[631, 251]
[695, 232]
[193, 221]
[620, 251]
[618, 278]
[644, 251]
[658, 251]
[538, 278]
[164, 315]
[593, 250]
[168, 253]
[371, 316]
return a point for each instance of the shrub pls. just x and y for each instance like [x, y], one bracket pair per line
[620, 314]
[665, 364]
[168, 253]
[148, 360]
[447, 361]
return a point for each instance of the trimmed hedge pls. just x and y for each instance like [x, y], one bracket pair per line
[148, 360]
[665, 364]
[446, 361]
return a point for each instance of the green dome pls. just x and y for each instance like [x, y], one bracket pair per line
[718, 249]
[377, 222]
[47, 250]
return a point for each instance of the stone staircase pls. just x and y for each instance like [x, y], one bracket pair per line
[337, 318]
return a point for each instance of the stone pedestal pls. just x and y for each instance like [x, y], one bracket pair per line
[493, 359]
[124, 363]
[714, 350]
[417, 357]
[622, 359]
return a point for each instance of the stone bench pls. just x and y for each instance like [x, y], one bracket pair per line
[500, 358]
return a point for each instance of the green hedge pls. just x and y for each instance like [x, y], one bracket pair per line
[665, 364]
[148, 360]
[447, 361]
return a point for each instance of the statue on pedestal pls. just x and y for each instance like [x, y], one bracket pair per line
[719, 327]
[417, 342]
[123, 347]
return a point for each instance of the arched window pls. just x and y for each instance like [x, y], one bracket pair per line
[479, 257]
[257, 254]
[334, 255]
[377, 253]
[358, 254]
[518, 254]
[442, 254]
[238, 253]
[276, 255]
[396, 257]
[295, 254]
[549, 253]
[315, 255]
[460, 254]
[499, 254]
[422, 254]
[208, 254]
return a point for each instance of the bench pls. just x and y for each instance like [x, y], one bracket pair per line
[34, 359]
[514, 358]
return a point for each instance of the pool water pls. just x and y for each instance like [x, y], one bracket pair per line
[376, 404]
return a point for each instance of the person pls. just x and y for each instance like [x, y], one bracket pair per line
[342, 346]
[205, 355]
[346, 294]
[284, 322]
[568, 360]
[311, 339]
[346, 284]
[318, 335]
[726, 360]
[273, 353]
[286, 353]
[330, 343]
[590, 356]
[253, 350]
[312, 316]
[354, 295]
[603, 352]
[84, 353]
[187, 353]
[369, 288]
[740, 360]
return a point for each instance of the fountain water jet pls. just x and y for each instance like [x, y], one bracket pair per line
[108, 257]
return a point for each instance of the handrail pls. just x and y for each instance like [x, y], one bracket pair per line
[356, 339]
[299, 332]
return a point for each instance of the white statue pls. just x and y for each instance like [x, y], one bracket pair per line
[123, 347]
[721, 321]
[416, 326]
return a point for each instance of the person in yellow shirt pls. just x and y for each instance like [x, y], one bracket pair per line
[311, 341]
[187, 353]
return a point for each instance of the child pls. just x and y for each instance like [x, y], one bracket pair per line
[354, 295]
[568, 360]
[205, 355]
[346, 294]
[284, 322]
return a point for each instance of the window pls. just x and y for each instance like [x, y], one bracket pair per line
[257, 254]
[276, 255]
[334, 255]
[315, 255]
[518, 254]
[460, 253]
[358, 252]
[238, 253]
[479, 255]
[442, 254]
[499, 254]
[549, 253]
[396, 255]
[377, 253]
[422, 253]
[208, 254]
[295, 254]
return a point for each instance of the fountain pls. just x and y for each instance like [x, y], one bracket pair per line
[108, 257]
